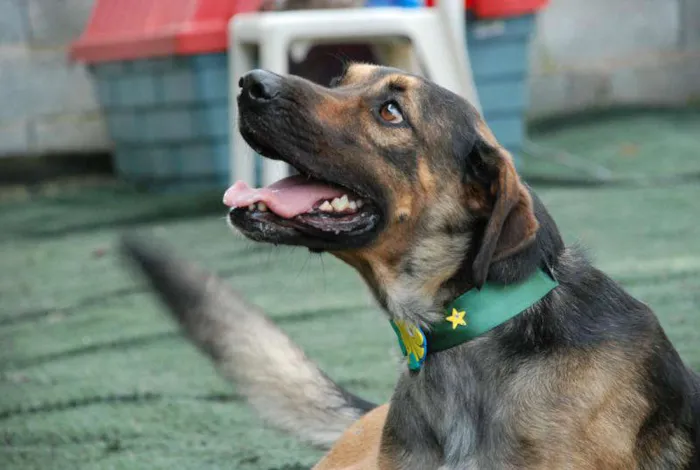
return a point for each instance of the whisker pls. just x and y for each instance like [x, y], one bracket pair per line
[323, 270]
[306, 260]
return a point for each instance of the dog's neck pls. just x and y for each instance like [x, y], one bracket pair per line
[405, 302]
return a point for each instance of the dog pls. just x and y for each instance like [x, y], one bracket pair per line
[402, 180]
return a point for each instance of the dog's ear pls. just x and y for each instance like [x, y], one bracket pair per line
[511, 225]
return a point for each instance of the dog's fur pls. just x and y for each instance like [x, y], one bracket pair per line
[583, 379]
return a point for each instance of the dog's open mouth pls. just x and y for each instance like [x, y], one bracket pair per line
[326, 206]
[302, 210]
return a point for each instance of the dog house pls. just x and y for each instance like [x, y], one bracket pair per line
[161, 73]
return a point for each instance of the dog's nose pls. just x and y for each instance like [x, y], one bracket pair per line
[260, 85]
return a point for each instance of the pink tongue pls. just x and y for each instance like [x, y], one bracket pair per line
[287, 197]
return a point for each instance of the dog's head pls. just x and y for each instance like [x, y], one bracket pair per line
[398, 177]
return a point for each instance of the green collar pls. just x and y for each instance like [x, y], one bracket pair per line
[472, 314]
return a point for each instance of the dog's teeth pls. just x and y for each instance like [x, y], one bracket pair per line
[326, 207]
[352, 206]
[251, 208]
[262, 207]
[360, 203]
[340, 204]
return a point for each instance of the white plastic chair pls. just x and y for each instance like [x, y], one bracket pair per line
[437, 36]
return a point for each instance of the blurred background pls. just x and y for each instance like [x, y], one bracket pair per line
[116, 115]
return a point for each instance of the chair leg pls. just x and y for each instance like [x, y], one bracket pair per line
[273, 57]
[434, 52]
[397, 53]
[242, 158]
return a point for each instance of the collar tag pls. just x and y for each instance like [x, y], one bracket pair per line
[412, 341]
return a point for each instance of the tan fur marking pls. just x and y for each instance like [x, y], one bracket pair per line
[359, 447]
[426, 177]
[475, 199]
[358, 73]
[403, 81]
[404, 207]
[442, 271]
[486, 133]
[379, 263]
[334, 112]
[590, 415]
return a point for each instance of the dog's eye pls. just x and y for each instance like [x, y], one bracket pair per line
[391, 113]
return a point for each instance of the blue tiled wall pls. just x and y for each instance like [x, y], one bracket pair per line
[168, 118]
[499, 53]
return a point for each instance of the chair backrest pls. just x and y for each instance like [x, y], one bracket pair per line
[453, 16]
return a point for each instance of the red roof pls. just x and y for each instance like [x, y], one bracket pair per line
[131, 29]
[499, 8]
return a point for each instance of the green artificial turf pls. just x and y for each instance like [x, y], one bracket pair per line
[94, 376]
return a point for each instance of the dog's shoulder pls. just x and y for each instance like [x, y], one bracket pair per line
[359, 447]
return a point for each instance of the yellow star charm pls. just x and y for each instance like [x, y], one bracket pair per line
[457, 318]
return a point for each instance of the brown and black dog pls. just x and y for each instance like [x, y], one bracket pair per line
[583, 379]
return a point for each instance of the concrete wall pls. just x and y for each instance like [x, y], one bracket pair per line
[594, 53]
[586, 53]
[46, 104]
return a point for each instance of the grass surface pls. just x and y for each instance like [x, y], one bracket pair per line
[94, 376]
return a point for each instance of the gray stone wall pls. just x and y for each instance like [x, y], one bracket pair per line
[586, 54]
[47, 105]
[595, 53]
